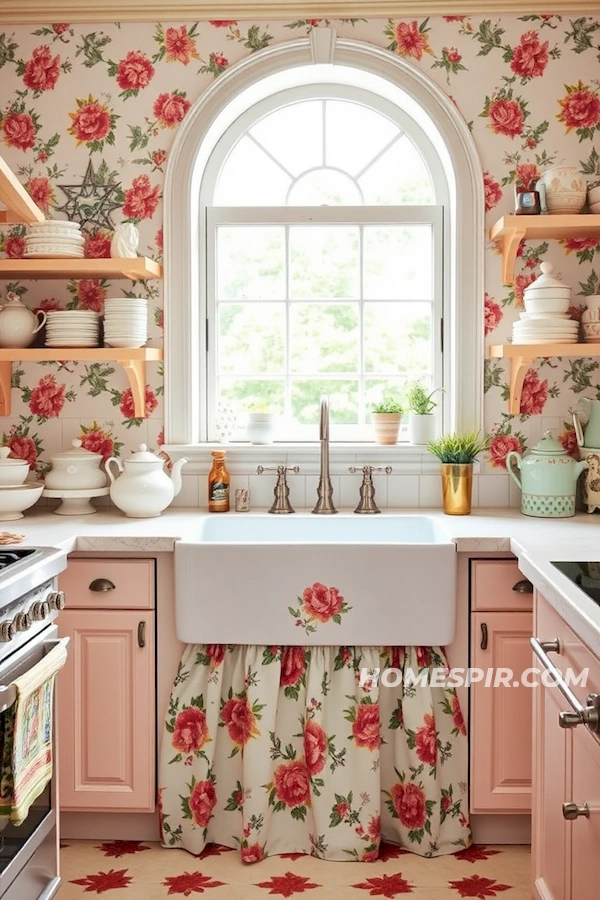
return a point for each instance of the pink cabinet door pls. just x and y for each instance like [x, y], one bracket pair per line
[551, 776]
[106, 711]
[501, 716]
[585, 832]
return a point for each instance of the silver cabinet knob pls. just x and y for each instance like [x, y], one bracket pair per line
[572, 811]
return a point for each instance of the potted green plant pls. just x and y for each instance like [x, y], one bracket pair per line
[386, 416]
[421, 417]
[457, 452]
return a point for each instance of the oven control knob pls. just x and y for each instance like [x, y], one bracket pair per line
[56, 600]
[40, 610]
[22, 621]
[7, 631]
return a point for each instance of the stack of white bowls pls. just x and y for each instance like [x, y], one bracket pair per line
[546, 319]
[72, 328]
[54, 240]
[125, 321]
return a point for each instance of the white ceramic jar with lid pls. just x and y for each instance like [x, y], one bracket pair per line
[75, 470]
[547, 294]
[12, 471]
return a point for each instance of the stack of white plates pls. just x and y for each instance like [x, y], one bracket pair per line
[72, 328]
[54, 240]
[539, 328]
[125, 321]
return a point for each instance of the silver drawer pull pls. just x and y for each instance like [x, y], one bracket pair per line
[102, 584]
[572, 811]
[523, 587]
[582, 715]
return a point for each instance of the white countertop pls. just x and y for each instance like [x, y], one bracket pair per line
[535, 542]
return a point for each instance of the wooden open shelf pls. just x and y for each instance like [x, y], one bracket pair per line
[522, 355]
[511, 230]
[20, 208]
[135, 269]
[132, 359]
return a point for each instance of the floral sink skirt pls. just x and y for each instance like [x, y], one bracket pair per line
[280, 749]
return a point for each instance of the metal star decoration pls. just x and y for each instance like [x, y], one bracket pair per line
[93, 201]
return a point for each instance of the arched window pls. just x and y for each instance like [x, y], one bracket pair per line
[313, 245]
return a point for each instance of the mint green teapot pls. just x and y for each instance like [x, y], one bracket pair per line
[548, 479]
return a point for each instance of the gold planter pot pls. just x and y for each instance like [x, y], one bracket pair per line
[457, 486]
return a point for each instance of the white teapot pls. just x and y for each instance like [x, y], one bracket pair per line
[143, 489]
[18, 323]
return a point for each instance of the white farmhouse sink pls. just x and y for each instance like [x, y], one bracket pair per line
[279, 580]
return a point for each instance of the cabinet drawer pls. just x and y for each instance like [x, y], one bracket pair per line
[493, 585]
[573, 654]
[132, 580]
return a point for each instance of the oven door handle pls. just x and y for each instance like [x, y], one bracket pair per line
[582, 715]
[8, 692]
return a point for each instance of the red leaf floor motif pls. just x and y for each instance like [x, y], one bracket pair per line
[287, 885]
[190, 883]
[390, 851]
[214, 850]
[293, 856]
[476, 886]
[104, 881]
[475, 853]
[386, 886]
[121, 848]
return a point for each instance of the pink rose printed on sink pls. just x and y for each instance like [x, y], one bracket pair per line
[319, 603]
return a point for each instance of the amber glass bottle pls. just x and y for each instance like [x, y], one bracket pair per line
[218, 483]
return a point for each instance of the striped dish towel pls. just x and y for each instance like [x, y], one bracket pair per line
[26, 733]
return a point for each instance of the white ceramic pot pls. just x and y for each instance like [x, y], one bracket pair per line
[143, 489]
[421, 428]
[261, 428]
[591, 312]
[75, 470]
[566, 189]
[12, 471]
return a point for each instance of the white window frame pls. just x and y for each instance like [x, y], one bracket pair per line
[285, 65]
[328, 215]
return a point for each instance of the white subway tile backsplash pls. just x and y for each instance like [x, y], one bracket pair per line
[404, 491]
[189, 495]
[430, 491]
[493, 491]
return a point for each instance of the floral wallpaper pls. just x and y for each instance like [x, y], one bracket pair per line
[88, 115]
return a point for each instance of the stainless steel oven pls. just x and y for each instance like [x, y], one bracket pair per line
[29, 604]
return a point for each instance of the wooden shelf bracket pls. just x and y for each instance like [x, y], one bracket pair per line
[519, 366]
[5, 385]
[135, 369]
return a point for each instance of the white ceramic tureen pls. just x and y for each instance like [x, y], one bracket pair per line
[77, 469]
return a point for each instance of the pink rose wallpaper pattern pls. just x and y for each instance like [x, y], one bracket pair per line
[88, 115]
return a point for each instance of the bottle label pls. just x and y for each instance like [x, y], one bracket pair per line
[219, 491]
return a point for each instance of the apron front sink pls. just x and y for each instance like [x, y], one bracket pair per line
[306, 580]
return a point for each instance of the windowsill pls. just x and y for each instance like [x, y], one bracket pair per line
[403, 457]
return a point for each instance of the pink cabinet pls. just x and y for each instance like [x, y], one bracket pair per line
[566, 783]
[107, 719]
[500, 713]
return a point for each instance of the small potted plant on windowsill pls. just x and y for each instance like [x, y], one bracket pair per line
[386, 417]
[457, 453]
[262, 424]
[421, 417]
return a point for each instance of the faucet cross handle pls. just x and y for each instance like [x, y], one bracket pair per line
[281, 503]
[367, 503]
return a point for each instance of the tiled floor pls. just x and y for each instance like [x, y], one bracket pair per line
[150, 872]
